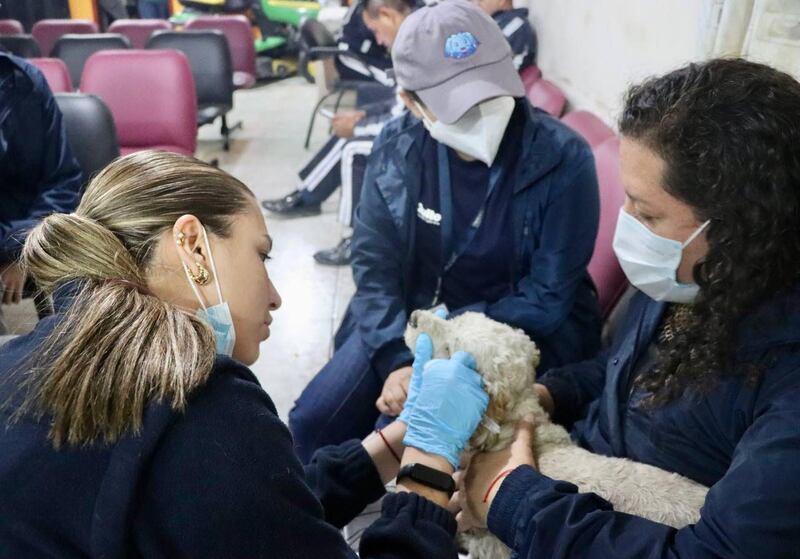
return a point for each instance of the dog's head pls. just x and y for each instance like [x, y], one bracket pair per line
[505, 357]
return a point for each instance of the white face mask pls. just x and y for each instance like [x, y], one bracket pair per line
[651, 262]
[479, 132]
[217, 316]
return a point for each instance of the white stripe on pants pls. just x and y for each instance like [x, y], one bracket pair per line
[346, 202]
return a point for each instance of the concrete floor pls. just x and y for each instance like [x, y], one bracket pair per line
[266, 155]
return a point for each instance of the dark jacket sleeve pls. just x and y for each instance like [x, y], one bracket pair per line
[345, 481]
[523, 45]
[58, 184]
[225, 482]
[750, 512]
[543, 298]
[378, 305]
[575, 386]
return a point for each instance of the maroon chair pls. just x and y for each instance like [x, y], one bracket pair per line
[11, 27]
[151, 94]
[138, 31]
[593, 130]
[240, 42]
[604, 267]
[55, 72]
[530, 76]
[47, 31]
[547, 96]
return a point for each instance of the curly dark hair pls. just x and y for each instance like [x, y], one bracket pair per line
[729, 133]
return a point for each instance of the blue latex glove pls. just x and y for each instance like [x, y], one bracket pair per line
[448, 407]
[423, 352]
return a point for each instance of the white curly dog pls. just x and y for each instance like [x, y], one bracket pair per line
[507, 358]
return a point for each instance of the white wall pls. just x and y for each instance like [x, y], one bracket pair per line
[594, 49]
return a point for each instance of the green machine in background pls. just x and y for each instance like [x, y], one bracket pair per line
[277, 22]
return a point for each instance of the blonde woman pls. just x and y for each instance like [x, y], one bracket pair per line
[132, 427]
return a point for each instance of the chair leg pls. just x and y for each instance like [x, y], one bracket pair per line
[314, 116]
[226, 133]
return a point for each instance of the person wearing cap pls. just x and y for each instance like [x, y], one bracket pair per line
[517, 29]
[473, 200]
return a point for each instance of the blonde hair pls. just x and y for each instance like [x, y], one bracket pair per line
[118, 347]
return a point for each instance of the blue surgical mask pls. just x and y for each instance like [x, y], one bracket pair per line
[218, 316]
[651, 262]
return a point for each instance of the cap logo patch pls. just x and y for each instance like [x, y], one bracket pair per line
[460, 45]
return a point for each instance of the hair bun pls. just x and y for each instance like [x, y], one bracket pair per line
[67, 247]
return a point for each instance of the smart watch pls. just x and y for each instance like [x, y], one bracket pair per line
[429, 477]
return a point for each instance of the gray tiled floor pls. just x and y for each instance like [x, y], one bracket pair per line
[266, 155]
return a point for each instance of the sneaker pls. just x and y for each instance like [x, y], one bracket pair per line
[340, 255]
[291, 205]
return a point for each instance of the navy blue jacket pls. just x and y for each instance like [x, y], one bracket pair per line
[555, 211]
[741, 440]
[38, 174]
[357, 38]
[520, 35]
[219, 480]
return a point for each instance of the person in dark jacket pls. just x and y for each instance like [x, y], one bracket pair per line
[476, 201]
[373, 59]
[38, 174]
[131, 426]
[516, 27]
[703, 375]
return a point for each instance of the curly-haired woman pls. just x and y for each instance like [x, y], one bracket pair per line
[703, 375]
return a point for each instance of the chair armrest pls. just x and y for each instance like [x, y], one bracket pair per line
[320, 53]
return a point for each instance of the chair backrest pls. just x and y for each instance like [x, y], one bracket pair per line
[75, 50]
[547, 96]
[239, 34]
[11, 27]
[55, 72]
[90, 131]
[24, 46]
[151, 96]
[138, 31]
[593, 130]
[313, 33]
[604, 267]
[47, 31]
[210, 59]
[530, 75]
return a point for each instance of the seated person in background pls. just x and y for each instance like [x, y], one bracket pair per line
[38, 174]
[130, 426]
[356, 37]
[321, 175]
[703, 375]
[516, 27]
[475, 200]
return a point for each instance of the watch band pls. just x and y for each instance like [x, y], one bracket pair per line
[429, 477]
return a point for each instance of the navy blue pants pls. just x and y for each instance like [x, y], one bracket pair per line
[339, 403]
[153, 10]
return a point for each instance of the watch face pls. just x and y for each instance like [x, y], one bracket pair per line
[428, 477]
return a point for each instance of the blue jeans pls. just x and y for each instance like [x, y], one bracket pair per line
[153, 10]
[339, 403]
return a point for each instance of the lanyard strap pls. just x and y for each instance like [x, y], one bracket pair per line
[450, 250]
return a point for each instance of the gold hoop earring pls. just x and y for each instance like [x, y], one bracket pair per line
[200, 277]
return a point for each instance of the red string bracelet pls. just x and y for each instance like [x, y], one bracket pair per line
[396, 457]
[491, 485]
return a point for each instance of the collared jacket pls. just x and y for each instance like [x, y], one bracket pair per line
[38, 174]
[741, 439]
[555, 211]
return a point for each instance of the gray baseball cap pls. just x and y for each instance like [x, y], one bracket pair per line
[453, 56]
